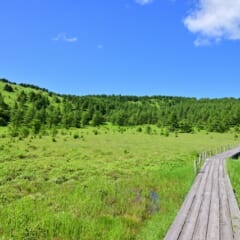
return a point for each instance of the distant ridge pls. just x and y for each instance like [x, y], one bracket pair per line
[29, 105]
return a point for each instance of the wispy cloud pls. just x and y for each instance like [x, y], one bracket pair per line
[100, 46]
[202, 42]
[63, 37]
[214, 20]
[143, 2]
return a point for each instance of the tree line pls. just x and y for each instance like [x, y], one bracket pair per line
[35, 109]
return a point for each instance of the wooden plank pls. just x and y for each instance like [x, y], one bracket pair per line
[176, 228]
[213, 221]
[225, 217]
[200, 231]
[190, 222]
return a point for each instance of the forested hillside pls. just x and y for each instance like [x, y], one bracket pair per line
[27, 108]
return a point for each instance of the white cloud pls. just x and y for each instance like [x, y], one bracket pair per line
[214, 20]
[143, 2]
[63, 37]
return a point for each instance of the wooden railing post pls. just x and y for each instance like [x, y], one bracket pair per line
[195, 167]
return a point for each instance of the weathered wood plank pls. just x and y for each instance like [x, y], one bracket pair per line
[225, 218]
[191, 219]
[200, 231]
[213, 221]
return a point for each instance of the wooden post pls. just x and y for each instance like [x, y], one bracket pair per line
[195, 167]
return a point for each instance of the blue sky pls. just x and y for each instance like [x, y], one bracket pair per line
[128, 47]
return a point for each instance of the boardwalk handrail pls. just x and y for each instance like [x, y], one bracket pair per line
[203, 156]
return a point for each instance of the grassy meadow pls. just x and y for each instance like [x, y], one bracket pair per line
[233, 167]
[96, 183]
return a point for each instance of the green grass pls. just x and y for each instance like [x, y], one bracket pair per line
[233, 167]
[94, 184]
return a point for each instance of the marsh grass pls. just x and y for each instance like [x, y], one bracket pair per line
[233, 167]
[116, 184]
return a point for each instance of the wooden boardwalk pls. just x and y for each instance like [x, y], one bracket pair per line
[210, 210]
